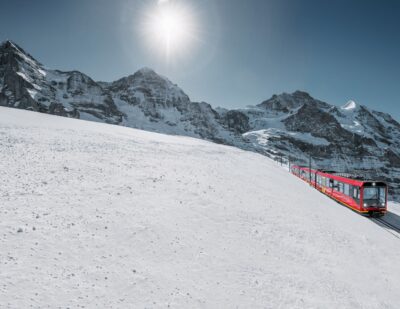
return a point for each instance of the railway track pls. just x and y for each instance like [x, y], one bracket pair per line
[392, 229]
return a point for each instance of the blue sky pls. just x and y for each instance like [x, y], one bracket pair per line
[247, 50]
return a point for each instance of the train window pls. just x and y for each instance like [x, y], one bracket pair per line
[340, 187]
[356, 194]
[375, 195]
[346, 189]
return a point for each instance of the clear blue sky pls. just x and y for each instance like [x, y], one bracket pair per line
[335, 50]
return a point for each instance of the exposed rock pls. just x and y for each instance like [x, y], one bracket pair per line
[236, 121]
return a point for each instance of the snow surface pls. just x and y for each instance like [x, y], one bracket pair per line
[263, 137]
[102, 216]
[350, 105]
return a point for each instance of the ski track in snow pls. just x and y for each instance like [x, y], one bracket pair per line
[101, 216]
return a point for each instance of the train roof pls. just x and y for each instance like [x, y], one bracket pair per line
[354, 182]
[350, 178]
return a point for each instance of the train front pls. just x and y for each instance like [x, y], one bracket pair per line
[374, 198]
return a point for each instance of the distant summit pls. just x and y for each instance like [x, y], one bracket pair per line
[350, 105]
[10, 47]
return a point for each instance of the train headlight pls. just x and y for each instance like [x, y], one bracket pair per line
[383, 204]
[365, 204]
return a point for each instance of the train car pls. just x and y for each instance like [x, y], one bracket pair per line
[363, 196]
[304, 173]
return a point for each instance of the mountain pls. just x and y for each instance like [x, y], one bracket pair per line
[291, 127]
[351, 138]
[143, 100]
[27, 84]
[102, 216]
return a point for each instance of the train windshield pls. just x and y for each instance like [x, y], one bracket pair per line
[374, 196]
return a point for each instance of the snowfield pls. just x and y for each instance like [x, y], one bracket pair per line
[101, 216]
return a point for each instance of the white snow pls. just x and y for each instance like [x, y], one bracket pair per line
[262, 137]
[105, 216]
[348, 119]
[32, 93]
[42, 72]
[350, 105]
[309, 138]
[394, 207]
[24, 76]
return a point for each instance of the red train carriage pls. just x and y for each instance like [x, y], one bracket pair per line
[365, 197]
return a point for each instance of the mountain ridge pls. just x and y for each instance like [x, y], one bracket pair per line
[293, 126]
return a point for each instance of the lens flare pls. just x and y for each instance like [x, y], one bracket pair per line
[170, 28]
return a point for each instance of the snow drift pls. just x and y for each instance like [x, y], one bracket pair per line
[103, 216]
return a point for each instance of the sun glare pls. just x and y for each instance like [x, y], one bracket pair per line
[170, 28]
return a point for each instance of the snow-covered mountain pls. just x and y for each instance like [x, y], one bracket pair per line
[27, 84]
[351, 138]
[290, 126]
[143, 100]
[101, 216]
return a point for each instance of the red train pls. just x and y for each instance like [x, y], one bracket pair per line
[364, 197]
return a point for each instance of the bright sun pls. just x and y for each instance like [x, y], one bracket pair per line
[170, 28]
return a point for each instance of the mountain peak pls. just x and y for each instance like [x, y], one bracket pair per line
[302, 94]
[9, 47]
[7, 44]
[286, 101]
[350, 105]
[147, 73]
[146, 70]
[150, 84]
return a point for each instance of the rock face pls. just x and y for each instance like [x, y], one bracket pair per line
[236, 121]
[152, 102]
[27, 84]
[291, 127]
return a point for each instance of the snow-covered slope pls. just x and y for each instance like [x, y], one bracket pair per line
[102, 216]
